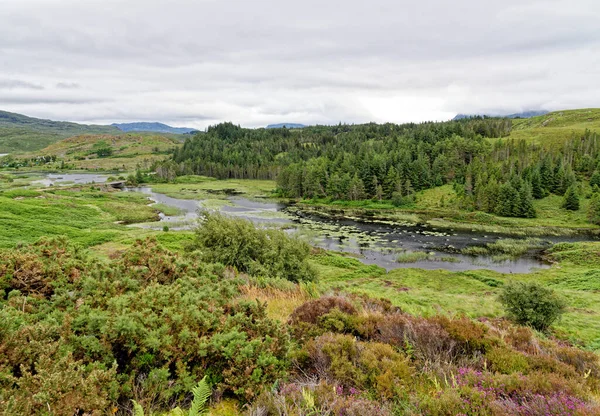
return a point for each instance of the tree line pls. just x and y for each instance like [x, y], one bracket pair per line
[394, 161]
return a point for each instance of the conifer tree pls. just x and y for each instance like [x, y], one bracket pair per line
[526, 208]
[594, 209]
[595, 179]
[571, 199]
[537, 190]
[508, 200]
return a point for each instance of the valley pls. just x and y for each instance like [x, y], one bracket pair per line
[263, 263]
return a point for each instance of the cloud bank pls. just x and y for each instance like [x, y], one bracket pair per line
[199, 62]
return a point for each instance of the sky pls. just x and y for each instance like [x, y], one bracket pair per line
[199, 62]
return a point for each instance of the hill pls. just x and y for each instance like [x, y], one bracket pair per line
[102, 151]
[286, 125]
[152, 127]
[553, 129]
[19, 133]
[524, 114]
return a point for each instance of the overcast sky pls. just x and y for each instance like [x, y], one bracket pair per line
[253, 62]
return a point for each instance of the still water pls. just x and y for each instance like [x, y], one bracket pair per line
[372, 243]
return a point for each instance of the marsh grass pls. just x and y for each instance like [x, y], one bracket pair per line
[507, 248]
[280, 302]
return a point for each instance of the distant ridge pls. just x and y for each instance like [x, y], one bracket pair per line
[153, 127]
[286, 125]
[19, 133]
[524, 114]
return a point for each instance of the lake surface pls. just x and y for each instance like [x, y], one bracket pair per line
[372, 243]
[57, 179]
[378, 244]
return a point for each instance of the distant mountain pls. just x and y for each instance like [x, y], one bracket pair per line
[153, 127]
[19, 133]
[286, 125]
[524, 114]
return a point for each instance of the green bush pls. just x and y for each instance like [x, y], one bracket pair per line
[238, 243]
[532, 304]
[78, 333]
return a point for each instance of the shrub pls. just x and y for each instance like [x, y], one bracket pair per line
[313, 310]
[89, 335]
[506, 361]
[532, 304]
[237, 242]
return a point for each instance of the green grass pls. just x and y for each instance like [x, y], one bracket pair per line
[201, 187]
[473, 293]
[554, 128]
[87, 217]
[20, 133]
[438, 207]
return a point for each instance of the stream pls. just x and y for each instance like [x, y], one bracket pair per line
[371, 243]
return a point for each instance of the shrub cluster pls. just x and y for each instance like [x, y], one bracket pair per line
[238, 243]
[81, 336]
[358, 352]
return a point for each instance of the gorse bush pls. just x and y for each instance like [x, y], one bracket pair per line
[238, 243]
[79, 335]
[532, 304]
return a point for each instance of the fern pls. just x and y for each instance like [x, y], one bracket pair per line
[201, 394]
[138, 410]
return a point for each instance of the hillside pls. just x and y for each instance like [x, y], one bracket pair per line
[286, 125]
[124, 151]
[19, 133]
[556, 127]
[152, 127]
[524, 114]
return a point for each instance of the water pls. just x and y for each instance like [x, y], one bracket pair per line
[57, 179]
[372, 243]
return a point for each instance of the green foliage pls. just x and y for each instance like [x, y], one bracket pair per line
[201, 394]
[593, 214]
[79, 333]
[532, 304]
[239, 243]
[571, 200]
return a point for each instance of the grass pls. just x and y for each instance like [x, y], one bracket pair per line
[412, 256]
[19, 133]
[202, 187]
[474, 293]
[438, 207]
[554, 128]
[129, 151]
[512, 248]
[87, 217]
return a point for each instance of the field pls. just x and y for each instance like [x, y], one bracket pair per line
[553, 128]
[20, 133]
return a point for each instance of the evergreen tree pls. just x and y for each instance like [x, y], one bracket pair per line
[391, 183]
[571, 200]
[595, 179]
[356, 190]
[594, 209]
[508, 200]
[335, 189]
[537, 190]
[526, 208]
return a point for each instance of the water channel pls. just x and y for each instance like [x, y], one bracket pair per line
[372, 243]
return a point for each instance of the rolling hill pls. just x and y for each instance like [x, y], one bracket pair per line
[152, 127]
[127, 150]
[553, 128]
[19, 133]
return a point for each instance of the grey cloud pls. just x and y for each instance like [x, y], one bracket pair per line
[10, 84]
[254, 63]
[68, 85]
